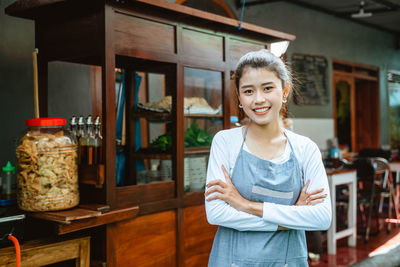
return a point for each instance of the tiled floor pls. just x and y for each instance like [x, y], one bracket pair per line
[378, 243]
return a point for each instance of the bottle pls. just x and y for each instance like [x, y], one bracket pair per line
[334, 153]
[80, 135]
[90, 140]
[98, 142]
[85, 142]
[80, 129]
[74, 129]
[9, 182]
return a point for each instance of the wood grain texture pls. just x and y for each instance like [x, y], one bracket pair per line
[198, 236]
[367, 114]
[91, 174]
[138, 34]
[28, 9]
[197, 44]
[193, 198]
[66, 216]
[94, 206]
[145, 241]
[133, 195]
[237, 48]
[217, 19]
[39, 253]
[109, 116]
[61, 40]
[95, 84]
[106, 218]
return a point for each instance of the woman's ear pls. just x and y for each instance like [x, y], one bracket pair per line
[286, 90]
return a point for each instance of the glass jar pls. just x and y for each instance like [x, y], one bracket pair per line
[47, 166]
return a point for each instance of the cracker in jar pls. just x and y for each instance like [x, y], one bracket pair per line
[47, 172]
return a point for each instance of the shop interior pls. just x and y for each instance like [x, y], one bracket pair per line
[131, 94]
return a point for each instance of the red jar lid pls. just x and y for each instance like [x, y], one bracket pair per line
[46, 122]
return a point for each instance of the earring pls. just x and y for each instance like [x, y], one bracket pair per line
[240, 106]
[284, 100]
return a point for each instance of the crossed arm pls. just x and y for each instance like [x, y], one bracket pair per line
[228, 192]
[226, 207]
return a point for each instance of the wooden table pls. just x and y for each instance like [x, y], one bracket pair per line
[395, 167]
[343, 177]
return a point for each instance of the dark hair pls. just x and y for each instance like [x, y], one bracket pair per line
[264, 59]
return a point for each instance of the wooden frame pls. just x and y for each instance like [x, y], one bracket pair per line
[353, 73]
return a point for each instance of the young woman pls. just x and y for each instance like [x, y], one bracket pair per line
[265, 185]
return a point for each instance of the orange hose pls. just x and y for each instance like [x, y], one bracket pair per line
[17, 250]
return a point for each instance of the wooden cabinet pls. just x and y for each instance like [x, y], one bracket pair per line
[178, 52]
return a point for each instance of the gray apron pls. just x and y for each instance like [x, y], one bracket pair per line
[261, 180]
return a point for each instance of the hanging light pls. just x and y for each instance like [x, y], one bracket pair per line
[361, 14]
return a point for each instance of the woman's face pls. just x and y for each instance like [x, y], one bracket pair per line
[261, 95]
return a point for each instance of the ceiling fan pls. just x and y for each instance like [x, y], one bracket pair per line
[361, 14]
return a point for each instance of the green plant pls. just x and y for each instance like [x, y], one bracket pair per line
[196, 137]
[163, 142]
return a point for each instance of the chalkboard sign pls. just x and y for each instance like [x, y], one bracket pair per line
[312, 74]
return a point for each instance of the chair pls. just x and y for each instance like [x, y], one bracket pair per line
[375, 180]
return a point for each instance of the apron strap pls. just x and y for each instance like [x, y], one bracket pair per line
[287, 138]
[244, 137]
[293, 155]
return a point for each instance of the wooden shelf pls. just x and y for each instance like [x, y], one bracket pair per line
[78, 219]
[204, 116]
[66, 216]
[197, 150]
[151, 154]
[152, 116]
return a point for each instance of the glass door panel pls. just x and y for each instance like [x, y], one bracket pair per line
[144, 151]
[203, 113]
[343, 116]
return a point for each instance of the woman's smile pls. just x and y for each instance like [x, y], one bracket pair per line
[261, 110]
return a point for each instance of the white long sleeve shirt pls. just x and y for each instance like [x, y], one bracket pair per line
[225, 149]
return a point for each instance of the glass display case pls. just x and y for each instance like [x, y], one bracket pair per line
[203, 113]
[145, 126]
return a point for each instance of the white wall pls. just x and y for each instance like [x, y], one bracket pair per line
[318, 130]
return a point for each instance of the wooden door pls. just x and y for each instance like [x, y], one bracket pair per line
[356, 111]
[367, 114]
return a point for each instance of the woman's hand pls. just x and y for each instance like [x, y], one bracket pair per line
[227, 192]
[310, 198]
